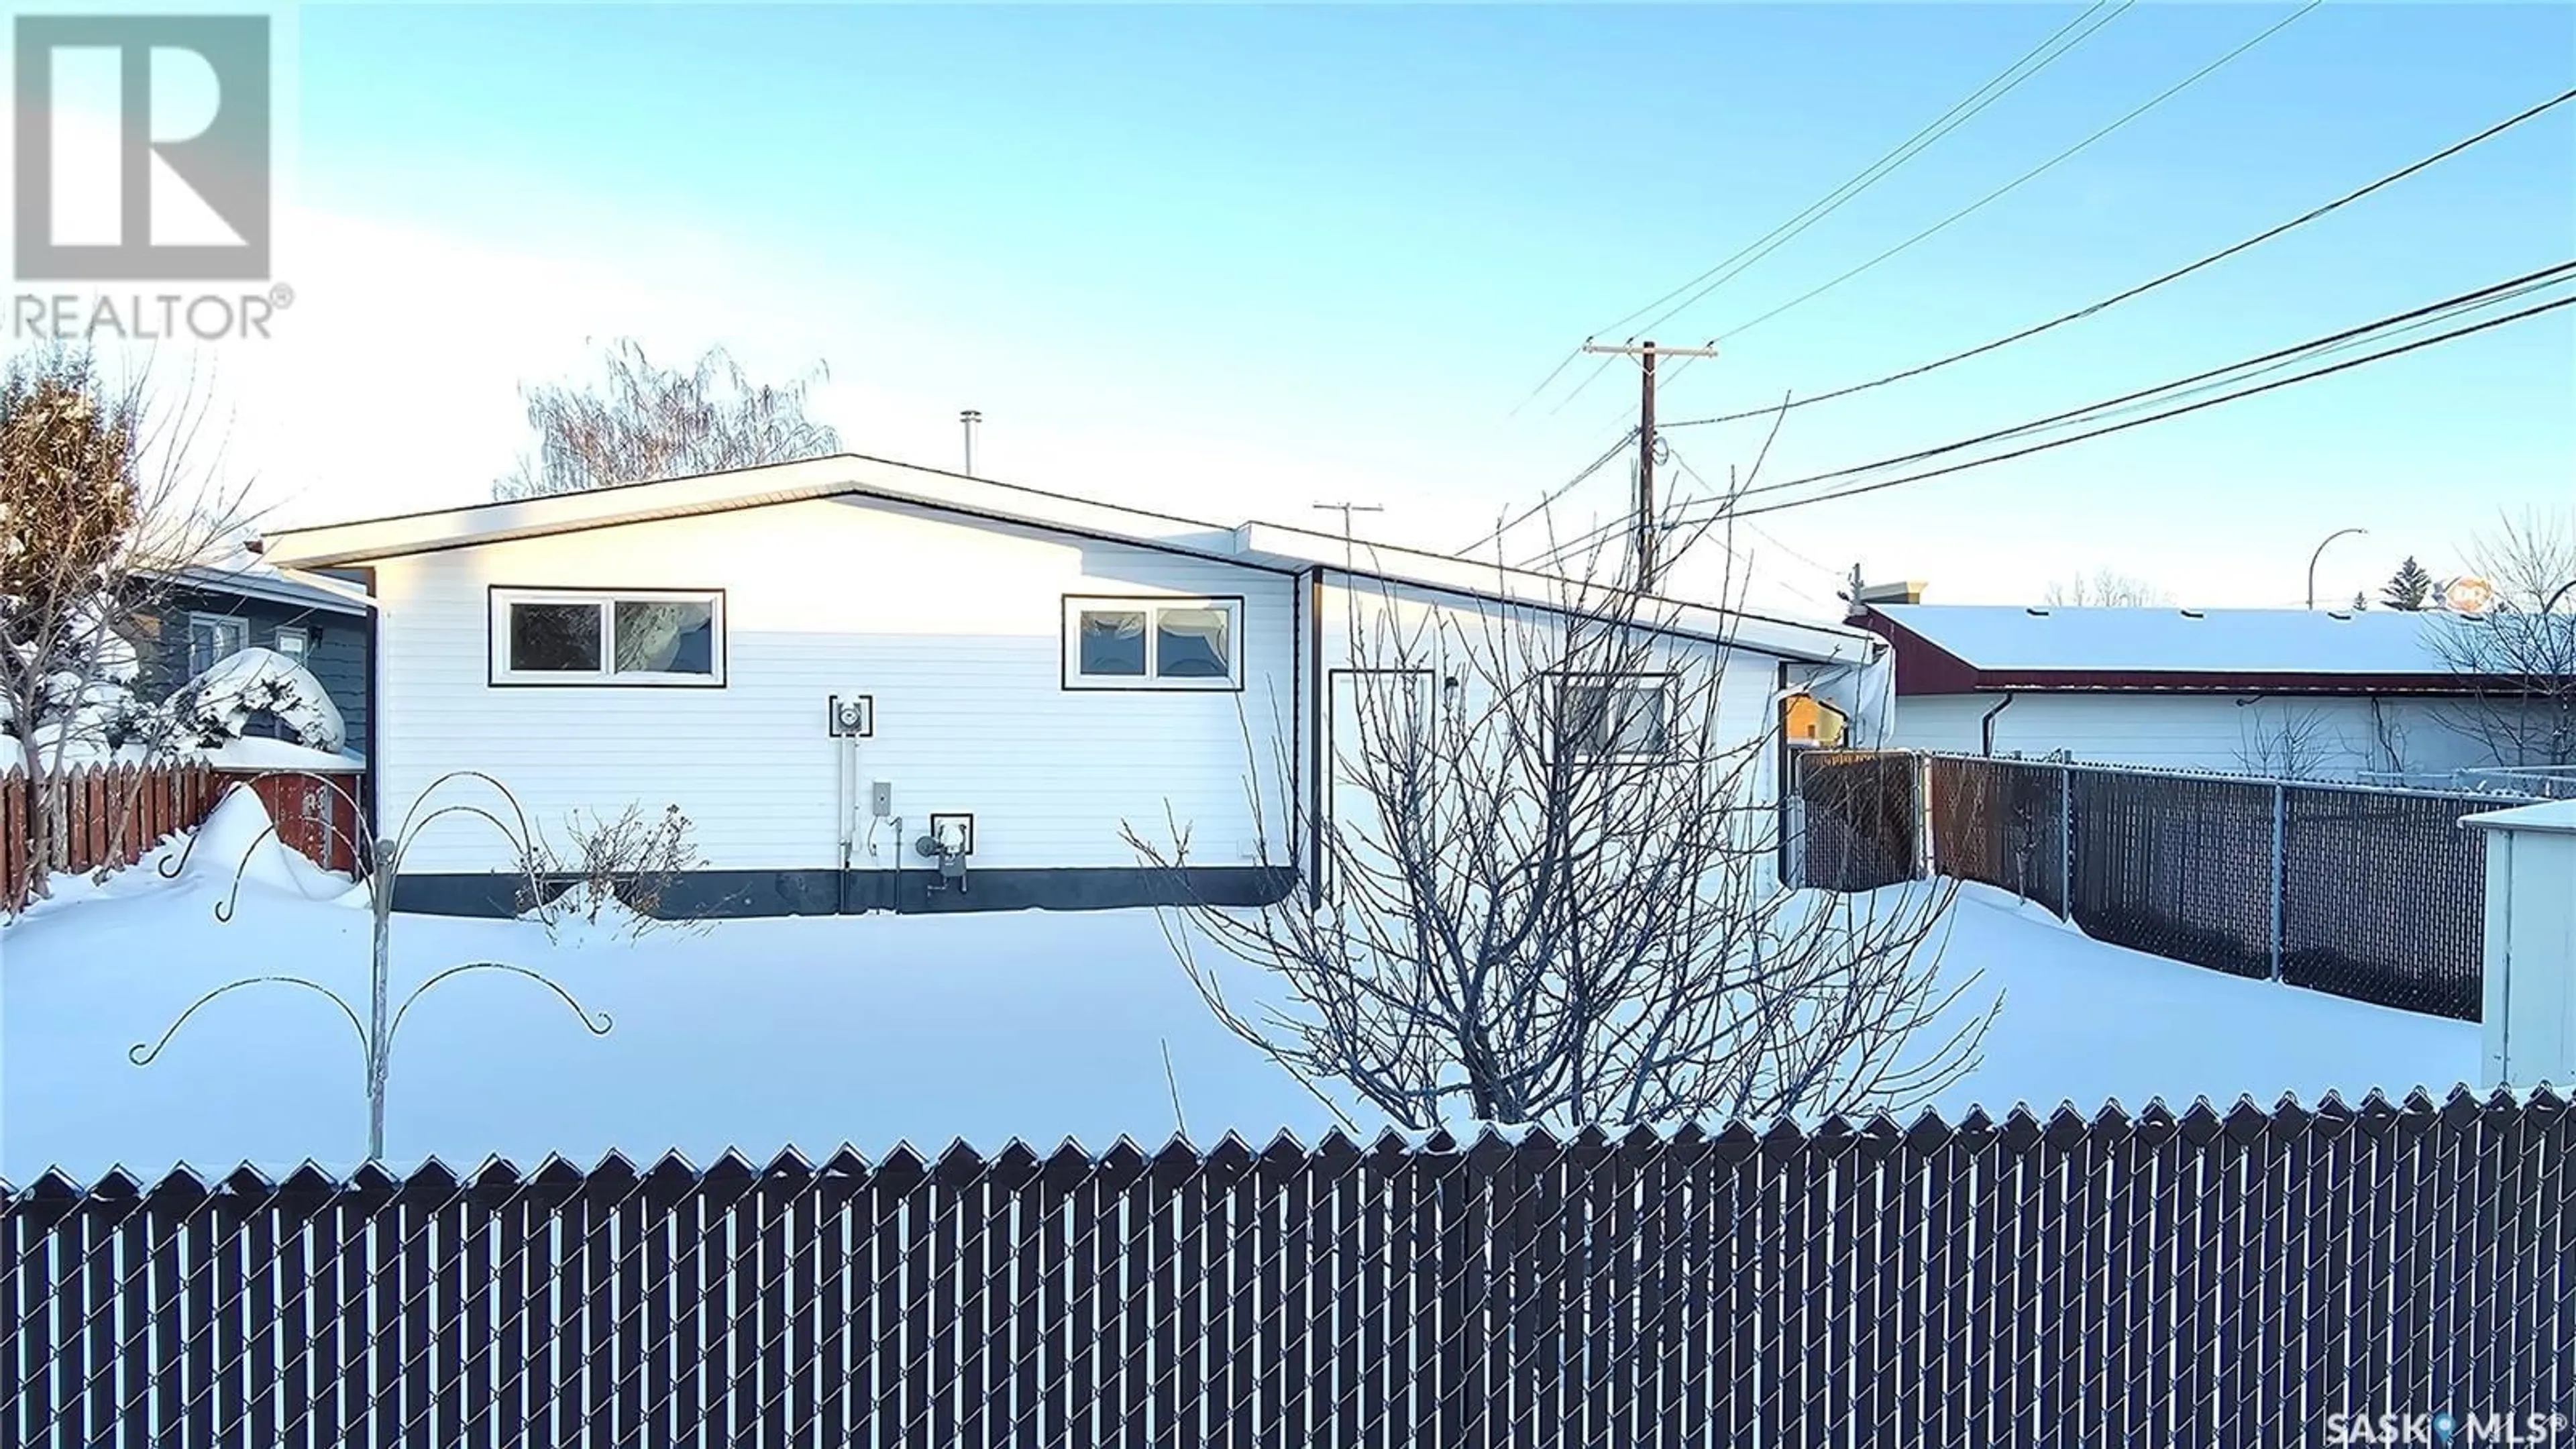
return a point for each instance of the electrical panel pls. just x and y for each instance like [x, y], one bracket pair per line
[881, 798]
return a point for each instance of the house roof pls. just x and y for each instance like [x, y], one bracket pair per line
[1951, 649]
[247, 576]
[1256, 545]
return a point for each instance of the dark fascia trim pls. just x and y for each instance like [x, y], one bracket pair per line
[375, 716]
[986, 515]
[1294, 800]
[1065, 675]
[492, 643]
[742, 894]
[1318, 698]
[2112, 681]
[1783, 763]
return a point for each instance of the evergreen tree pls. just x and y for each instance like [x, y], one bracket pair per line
[2360, 601]
[2410, 588]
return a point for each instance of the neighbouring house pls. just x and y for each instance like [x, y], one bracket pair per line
[2324, 694]
[209, 612]
[824, 662]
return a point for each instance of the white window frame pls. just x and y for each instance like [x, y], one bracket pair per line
[607, 675]
[1077, 605]
[239, 625]
[1662, 685]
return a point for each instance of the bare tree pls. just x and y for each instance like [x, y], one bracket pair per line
[101, 499]
[643, 421]
[2528, 560]
[1544, 887]
[2294, 743]
[2105, 588]
[2517, 660]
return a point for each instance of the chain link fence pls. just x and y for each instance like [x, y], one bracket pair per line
[2368, 892]
[1857, 825]
[2232, 1280]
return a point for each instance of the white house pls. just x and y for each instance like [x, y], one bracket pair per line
[823, 662]
[2328, 694]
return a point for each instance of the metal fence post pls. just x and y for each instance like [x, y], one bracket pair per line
[2280, 872]
[2066, 842]
[1925, 863]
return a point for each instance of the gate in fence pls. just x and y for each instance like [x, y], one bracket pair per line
[2246, 1280]
[2363, 891]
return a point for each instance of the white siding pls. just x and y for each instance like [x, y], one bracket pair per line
[953, 624]
[1746, 687]
[2338, 737]
[1748, 684]
[2529, 1012]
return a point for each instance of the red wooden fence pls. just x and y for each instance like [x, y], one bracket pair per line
[110, 816]
[316, 814]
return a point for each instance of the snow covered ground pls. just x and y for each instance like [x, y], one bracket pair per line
[815, 1031]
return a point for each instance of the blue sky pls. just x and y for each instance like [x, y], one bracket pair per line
[1236, 260]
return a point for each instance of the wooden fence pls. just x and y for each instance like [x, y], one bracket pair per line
[107, 815]
[2251, 1279]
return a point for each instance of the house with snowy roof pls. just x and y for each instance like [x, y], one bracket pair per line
[870, 684]
[206, 613]
[2322, 694]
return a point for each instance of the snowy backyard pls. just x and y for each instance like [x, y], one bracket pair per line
[815, 1031]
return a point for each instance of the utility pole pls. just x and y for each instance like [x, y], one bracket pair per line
[1346, 509]
[1646, 352]
[968, 419]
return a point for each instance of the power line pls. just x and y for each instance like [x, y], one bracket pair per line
[2482, 296]
[1995, 88]
[2177, 274]
[2347, 365]
[2008, 187]
[2159, 99]
[2411, 319]
[1553, 494]
[1950, 120]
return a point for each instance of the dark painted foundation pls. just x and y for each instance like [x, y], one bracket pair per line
[729, 894]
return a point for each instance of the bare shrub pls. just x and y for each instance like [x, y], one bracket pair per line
[629, 860]
[1542, 885]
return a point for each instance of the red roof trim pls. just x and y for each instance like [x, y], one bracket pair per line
[2180, 681]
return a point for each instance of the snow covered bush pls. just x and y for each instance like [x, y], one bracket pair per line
[219, 704]
[613, 874]
[82, 705]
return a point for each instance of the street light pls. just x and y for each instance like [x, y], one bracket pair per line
[2321, 553]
